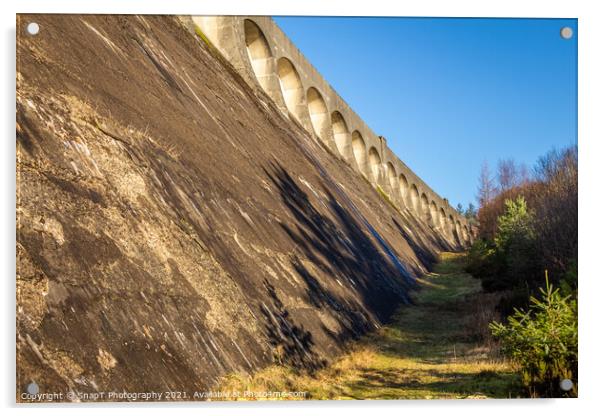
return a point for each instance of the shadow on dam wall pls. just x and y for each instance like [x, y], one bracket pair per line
[292, 344]
[344, 251]
[425, 256]
[160, 244]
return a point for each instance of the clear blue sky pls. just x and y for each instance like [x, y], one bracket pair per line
[450, 93]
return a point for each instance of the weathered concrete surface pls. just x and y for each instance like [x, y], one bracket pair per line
[173, 226]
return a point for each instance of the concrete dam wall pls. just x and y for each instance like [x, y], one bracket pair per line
[267, 58]
[176, 223]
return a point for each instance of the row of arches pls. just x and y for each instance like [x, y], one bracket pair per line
[331, 127]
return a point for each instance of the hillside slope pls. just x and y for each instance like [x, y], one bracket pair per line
[173, 226]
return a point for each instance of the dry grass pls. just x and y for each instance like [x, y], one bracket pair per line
[438, 348]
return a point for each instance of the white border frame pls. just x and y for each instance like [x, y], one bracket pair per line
[590, 70]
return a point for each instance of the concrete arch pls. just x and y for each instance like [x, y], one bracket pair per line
[359, 151]
[318, 114]
[403, 188]
[414, 198]
[424, 206]
[458, 229]
[374, 162]
[292, 89]
[442, 220]
[433, 213]
[260, 55]
[393, 180]
[340, 133]
[451, 227]
[465, 234]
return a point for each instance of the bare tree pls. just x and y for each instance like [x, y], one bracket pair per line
[556, 207]
[551, 191]
[523, 174]
[487, 189]
[507, 174]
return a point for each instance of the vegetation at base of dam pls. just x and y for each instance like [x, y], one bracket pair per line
[439, 347]
[527, 250]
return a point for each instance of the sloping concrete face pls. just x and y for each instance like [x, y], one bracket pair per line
[177, 224]
[268, 60]
[172, 222]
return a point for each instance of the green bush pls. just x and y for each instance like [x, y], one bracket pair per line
[477, 257]
[509, 262]
[486, 263]
[543, 342]
[515, 241]
[515, 226]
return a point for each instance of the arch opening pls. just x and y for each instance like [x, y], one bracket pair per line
[292, 89]
[393, 179]
[433, 213]
[414, 198]
[374, 160]
[340, 132]
[359, 151]
[424, 206]
[458, 229]
[318, 113]
[259, 53]
[442, 219]
[403, 188]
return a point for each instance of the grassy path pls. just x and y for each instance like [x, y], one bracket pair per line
[437, 348]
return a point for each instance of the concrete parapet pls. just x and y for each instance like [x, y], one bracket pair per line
[266, 58]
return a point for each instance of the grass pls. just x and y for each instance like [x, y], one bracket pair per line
[439, 347]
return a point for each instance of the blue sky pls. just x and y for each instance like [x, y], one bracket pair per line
[450, 93]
